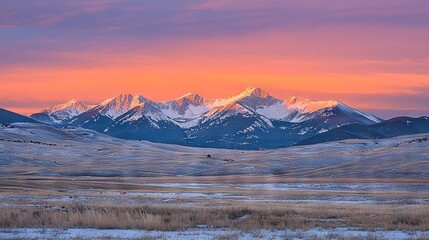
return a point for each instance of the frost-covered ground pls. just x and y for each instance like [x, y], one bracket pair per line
[307, 186]
[199, 198]
[39, 150]
[87, 190]
[206, 233]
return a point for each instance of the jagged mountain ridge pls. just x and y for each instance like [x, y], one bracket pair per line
[191, 106]
[252, 119]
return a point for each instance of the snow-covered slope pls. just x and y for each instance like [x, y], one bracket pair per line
[72, 108]
[252, 97]
[302, 109]
[61, 112]
[149, 110]
[42, 150]
[120, 104]
[185, 111]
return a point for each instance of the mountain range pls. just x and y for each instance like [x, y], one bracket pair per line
[252, 119]
[387, 129]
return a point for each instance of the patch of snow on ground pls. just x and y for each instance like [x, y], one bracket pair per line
[306, 186]
[204, 233]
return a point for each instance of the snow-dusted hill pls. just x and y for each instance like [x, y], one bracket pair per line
[390, 128]
[36, 149]
[252, 119]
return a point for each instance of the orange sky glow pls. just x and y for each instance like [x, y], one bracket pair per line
[379, 65]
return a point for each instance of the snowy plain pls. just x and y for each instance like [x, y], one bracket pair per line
[207, 233]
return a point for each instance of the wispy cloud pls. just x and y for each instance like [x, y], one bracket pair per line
[21, 13]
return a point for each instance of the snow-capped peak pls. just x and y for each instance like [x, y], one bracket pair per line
[148, 110]
[305, 105]
[190, 98]
[124, 100]
[61, 112]
[251, 97]
[185, 110]
[254, 91]
[120, 104]
[73, 105]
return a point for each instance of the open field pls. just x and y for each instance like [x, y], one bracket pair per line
[38, 150]
[175, 204]
[73, 183]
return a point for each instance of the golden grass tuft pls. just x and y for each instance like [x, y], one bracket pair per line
[242, 216]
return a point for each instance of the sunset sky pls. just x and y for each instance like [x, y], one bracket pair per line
[371, 55]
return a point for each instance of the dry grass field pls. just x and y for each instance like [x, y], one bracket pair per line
[158, 204]
[246, 216]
